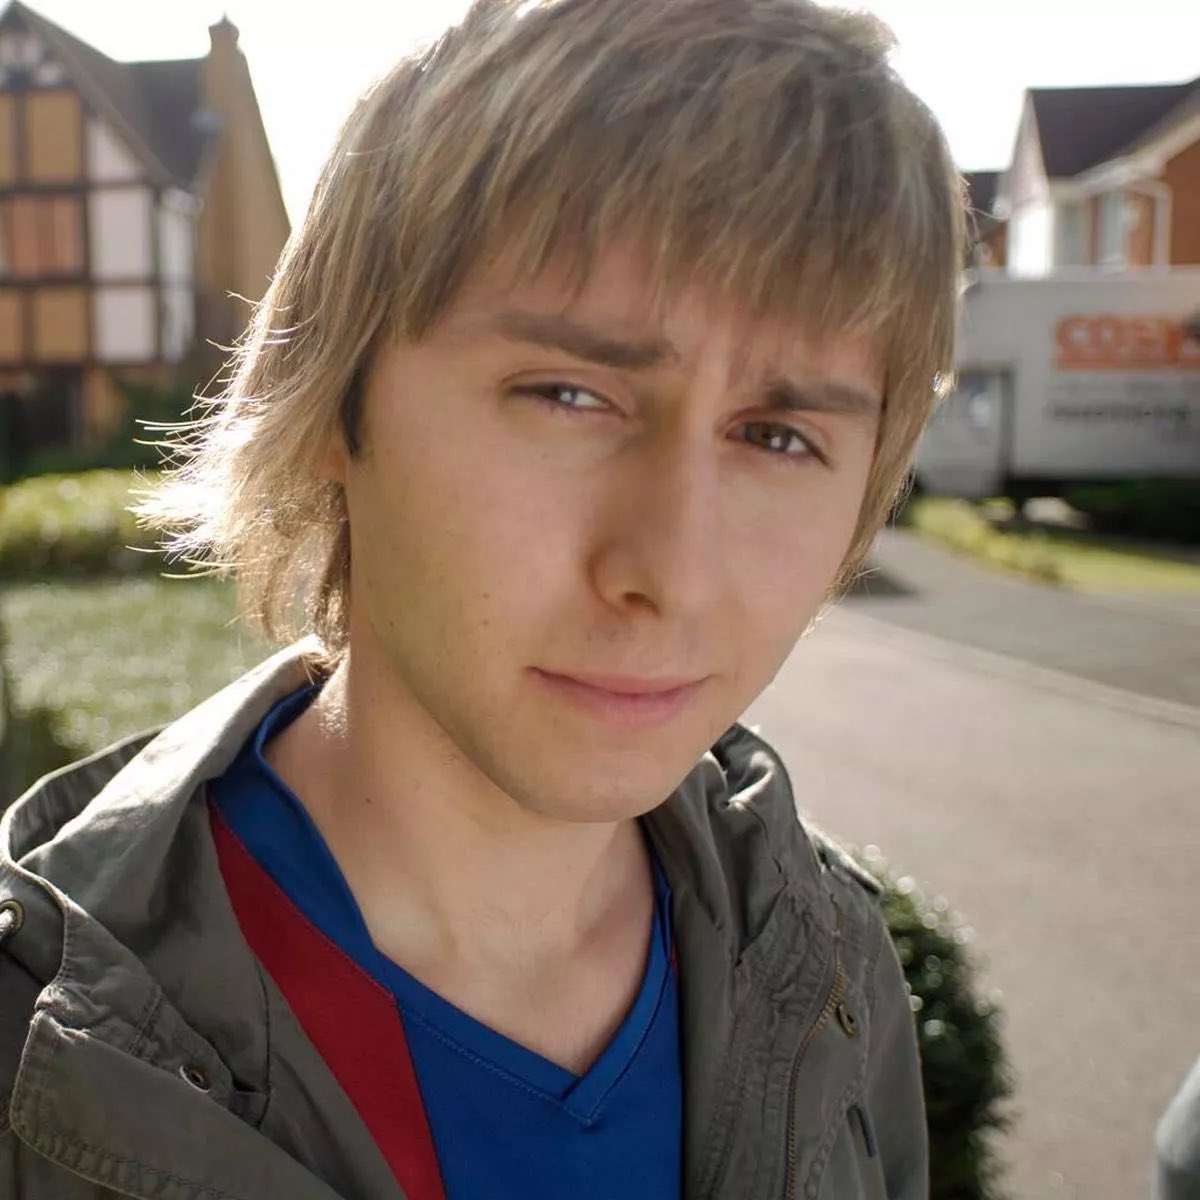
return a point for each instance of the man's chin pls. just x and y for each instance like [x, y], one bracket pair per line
[605, 810]
[603, 789]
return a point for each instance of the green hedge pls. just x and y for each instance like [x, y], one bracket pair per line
[964, 1068]
[964, 526]
[1165, 509]
[30, 747]
[72, 525]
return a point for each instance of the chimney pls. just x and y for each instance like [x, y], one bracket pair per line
[224, 35]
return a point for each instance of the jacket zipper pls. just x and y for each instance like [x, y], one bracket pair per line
[836, 991]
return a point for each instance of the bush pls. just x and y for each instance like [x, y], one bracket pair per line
[72, 525]
[29, 743]
[131, 445]
[1163, 509]
[30, 747]
[966, 526]
[963, 1066]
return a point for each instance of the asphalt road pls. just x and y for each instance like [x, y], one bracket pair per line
[1060, 817]
[1149, 644]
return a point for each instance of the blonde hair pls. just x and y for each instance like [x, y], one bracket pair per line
[763, 148]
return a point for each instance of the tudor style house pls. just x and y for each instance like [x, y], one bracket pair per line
[1104, 177]
[135, 198]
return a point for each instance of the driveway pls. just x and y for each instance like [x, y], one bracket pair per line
[1147, 644]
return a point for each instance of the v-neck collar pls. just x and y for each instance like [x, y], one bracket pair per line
[582, 1096]
[314, 882]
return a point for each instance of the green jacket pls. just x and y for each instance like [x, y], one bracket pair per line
[145, 1052]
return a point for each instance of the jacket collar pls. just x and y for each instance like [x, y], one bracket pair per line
[145, 954]
[728, 836]
[118, 877]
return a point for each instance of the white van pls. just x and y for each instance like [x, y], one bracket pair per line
[1080, 376]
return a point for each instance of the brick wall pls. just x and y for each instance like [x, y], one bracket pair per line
[1182, 176]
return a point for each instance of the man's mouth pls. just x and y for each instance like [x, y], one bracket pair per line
[631, 700]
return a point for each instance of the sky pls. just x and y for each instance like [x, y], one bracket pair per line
[969, 60]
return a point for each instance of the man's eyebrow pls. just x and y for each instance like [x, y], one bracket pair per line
[582, 341]
[558, 332]
[823, 396]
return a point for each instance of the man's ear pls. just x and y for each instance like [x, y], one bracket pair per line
[345, 438]
[334, 461]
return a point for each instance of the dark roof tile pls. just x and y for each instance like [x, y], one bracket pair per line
[1083, 127]
[169, 95]
[981, 189]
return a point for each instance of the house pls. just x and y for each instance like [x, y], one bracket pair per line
[1104, 177]
[134, 198]
[988, 233]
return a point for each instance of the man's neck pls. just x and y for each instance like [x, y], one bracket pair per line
[536, 926]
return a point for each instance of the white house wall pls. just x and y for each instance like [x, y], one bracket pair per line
[179, 320]
[1027, 181]
[119, 224]
[1031, 232]
[176, 242]
[109, 161]
[1031, 239]
[177, 264]
[123, 320]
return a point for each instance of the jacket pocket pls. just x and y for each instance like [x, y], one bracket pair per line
[854, 1171]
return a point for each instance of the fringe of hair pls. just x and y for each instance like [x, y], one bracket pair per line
[762, 148]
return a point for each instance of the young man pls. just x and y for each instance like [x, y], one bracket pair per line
[589, 376]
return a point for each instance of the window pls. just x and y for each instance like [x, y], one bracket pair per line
[1071, 235]
[1110, 245]
[19, 50]
[41, 236]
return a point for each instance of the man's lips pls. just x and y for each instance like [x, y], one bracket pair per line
[626, 685]
[628, 700]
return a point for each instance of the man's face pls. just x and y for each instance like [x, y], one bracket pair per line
[586, 533]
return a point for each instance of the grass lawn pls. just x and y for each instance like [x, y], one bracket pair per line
[1069, 559]
[115, 656]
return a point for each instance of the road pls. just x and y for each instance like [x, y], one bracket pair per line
[1060, 817]
[1148, 644]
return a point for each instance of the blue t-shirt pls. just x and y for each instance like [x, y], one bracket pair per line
[505, 1122]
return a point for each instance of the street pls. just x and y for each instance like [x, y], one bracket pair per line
[1146, 644]
[1059, 816]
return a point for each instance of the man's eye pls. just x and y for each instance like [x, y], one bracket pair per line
[778, 439]
[565, 396]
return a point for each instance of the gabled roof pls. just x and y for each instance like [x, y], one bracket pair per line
[1083, 127]
[168, 103]
[154, 105]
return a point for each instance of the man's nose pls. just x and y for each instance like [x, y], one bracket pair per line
[657, 543]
